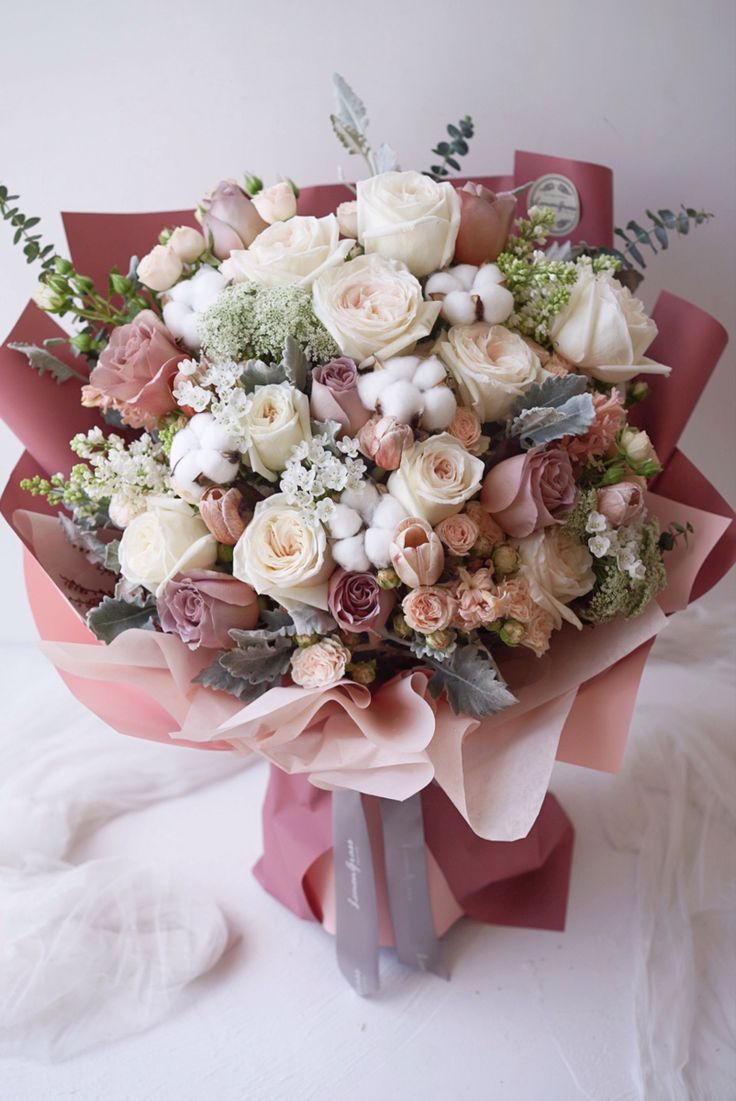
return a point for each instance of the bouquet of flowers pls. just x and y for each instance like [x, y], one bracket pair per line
[366, 491]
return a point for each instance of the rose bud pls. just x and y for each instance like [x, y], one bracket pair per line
[276, 203]
[160, 268]
[388, 579]
[416, 553]
[440, 640]
[485, 221]
[459, 533]
[621, 504]
[383, 439]
[225, 513]
[187, 243]
[362, 672]
[505, 559]
[512, 632]
[347, 218]
[229, 218]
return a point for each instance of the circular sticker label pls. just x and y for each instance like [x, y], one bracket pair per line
[561, 196]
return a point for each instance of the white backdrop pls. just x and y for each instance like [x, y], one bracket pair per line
[146, 105]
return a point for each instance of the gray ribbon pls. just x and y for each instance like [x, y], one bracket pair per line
[356, 912]
[417, 944]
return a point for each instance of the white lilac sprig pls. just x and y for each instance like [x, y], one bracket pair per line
[315, 474]
[622, 544]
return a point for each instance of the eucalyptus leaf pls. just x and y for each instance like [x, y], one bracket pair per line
[110, 618]
[46, 363]
[471, 681]
[542, 425]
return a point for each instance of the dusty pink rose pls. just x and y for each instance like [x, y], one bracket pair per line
[485, 221]
[229, 219]
[465, 427]
[358, 603]
[530, 491]
[621, 504]
[538, 630]
[486, 525]
[320, 665]
[458, 533]
[610, 417]
[202, 606]
[383, 439]
[429, 608]
[416, 553]
[136, 370]
[335, 395]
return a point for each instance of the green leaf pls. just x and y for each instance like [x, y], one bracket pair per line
[471, 681]
[45, 363]
[110, 618]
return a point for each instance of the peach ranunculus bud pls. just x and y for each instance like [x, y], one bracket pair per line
[485, 222]
[383, 439]
[276, 203]
[225, 513]
[621, 504]
[459, 533]
[160, 268]
[347, 219]
[229, 218]
[416, 553]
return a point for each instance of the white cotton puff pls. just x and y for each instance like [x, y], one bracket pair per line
[401, 367]
[465, 274]
[498, 304]
[429, 372]
[377, 547]
[439, 408]
[364, 499]
[402, 400]
[370, 386]
[490, 275]
[442, 282]
[350, 553]
[459, 308]
[388, 514]
[344, 522]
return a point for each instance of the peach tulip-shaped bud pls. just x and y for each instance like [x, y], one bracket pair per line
[225, 514]
[485, 221]
[416, 553]
[383, 439]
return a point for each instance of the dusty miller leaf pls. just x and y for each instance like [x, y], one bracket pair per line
[257, 373]
[112, 561]
[553, 392]
[385, 159]
[260, 655]
[472, 683]
[90, 545]
[354, 142]
[45, 363]
[311, 621]
[544, 424]
[277, 618]
[217, 677]
[110, 618]
[295, 364]
[351, 110]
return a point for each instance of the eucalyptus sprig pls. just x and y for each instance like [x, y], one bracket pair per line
[32, 248]
[663, 221]
[450, 150]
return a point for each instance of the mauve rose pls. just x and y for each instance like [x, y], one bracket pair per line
[137, 367]
[383, 439]
[621, 504]
[530, 491]
[335, 395]
[202, 606]
[485, 221]
[229, 218]
[357, 602]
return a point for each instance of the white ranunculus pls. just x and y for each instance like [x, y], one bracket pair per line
[558, 568]
[202, 455]
[168, 538]
[277, 420]
[491, 365]
[604, 330]
[295, 252]
[187, 301]
[160, 268]
[410, 217]
[276, 203]
[436, 477]
[284, 554]
[371, 306]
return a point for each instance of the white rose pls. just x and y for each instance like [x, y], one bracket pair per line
[436, 477]
[284, 554]
[188, 244]
[637, 447]
[276, 421]
[160, 268]
[294, 252]
[276, 203]
[558, 568]
[491, 365]
[168, 538]
[604, 330]
[410, 217]
[371, 306]
[347, 218]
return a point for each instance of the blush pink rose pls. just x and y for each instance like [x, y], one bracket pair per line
[416, 553]
[458, 533]
[486, 525]
[621, 504]
[465, 427]
[229, 219]
[202, 606]
[320, 665]
[383, 440]
[358, 603]
[136, 370]
[335, 395]
[485, 222]
[530, 491]
[429, 608]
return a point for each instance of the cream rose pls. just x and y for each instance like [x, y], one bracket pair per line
[284, 554]
[410, 217]
[276, 421]
[166, 539]
[294, 252]
[558, 568]
[491, 365]
[436, 477]
[371, 306]
[276, 203]
[604, 330]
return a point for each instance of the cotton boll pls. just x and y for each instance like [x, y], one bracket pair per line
[401, 400]
[490, 275]
[459, 308]
[212, 435]
[498, 304]
[439, 408]
[377, 547]
[364, 500]
[388, 514]
[202, 452]
[344, 522]
[184, 480]
[370, 386]
[442, 282]
[465, 275]
[429, 372]
[401, 367]
[350, 553]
